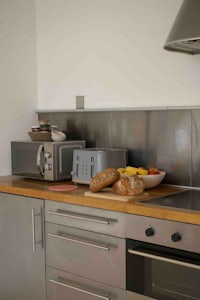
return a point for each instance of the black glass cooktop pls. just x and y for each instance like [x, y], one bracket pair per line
[187, 200]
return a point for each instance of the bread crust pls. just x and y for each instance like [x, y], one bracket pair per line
[129, 186]
[104, 179]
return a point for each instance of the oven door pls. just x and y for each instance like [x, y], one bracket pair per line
[162, 273]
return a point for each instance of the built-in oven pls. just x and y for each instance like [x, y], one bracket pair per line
[162, 259]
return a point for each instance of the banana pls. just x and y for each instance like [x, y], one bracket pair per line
[142, 171]
[132, 170]
[121, 170]
[136, 171]
[127, 173]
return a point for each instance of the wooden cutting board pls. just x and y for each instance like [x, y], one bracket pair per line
[107, 193]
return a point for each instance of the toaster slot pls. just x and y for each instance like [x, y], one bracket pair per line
[92, 167]
[77, 165]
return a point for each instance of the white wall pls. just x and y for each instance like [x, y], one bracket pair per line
[111, 51]
[108, 50]
[17, 74]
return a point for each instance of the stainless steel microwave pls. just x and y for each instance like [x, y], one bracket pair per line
[44, 160]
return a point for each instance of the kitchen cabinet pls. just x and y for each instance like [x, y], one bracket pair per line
[22, 255]
[85, 252]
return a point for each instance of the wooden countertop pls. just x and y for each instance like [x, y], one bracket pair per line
[40, 189]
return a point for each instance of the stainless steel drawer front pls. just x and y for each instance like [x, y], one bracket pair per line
[62, 285]
[88, 254]
[61, 281]
[83, 217]
[79, 241]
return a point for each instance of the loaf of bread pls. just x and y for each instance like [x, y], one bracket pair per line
[129, 186]
[104, 179]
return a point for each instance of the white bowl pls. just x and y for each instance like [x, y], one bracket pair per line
[153, 180]
[58, 136]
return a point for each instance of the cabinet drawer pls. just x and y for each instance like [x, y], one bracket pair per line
[88, 254]
[88, 218]
[62, 286]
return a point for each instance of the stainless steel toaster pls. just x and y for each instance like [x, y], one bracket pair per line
[90, 161]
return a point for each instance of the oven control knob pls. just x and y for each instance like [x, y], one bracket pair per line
[176, 237]
[149, 231]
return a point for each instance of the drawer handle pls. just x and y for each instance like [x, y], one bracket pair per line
[64, 213]
[76, 288]
[79, 241]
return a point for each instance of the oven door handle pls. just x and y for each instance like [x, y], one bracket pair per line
[164, 259]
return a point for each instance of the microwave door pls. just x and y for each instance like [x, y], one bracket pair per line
[66, 160]
[25, 159]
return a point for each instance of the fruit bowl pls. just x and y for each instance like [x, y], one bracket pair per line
[153, 180]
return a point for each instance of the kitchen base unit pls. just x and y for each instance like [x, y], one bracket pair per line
[85, 253]
[22, 255]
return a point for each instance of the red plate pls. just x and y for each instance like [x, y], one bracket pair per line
[63, 188]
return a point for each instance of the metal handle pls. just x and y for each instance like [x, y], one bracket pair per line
[40, 149]
[33, 228]
[164, 259]
[41, 214]
[79, 241]
[33, 215]
[73, 215]
[83, 290]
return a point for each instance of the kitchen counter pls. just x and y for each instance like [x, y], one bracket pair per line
[40, 189]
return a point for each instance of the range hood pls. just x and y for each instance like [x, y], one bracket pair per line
[185, 33]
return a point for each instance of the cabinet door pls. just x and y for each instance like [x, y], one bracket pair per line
[22, 261]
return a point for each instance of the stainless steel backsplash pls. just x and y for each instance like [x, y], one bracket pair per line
[167, 139]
